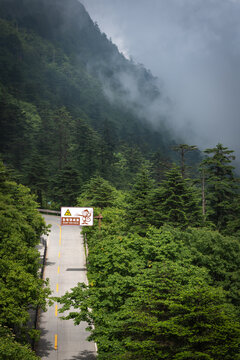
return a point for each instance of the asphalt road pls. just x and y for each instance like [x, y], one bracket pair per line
[65, 267]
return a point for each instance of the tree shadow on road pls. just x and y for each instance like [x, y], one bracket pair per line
[49, 263]
[44, 347]
[84, 355]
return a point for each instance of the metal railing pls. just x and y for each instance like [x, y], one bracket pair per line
[43, 241]
[47, 211]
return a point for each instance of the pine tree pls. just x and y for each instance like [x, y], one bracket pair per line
[175, 202]
[183, 149]
[221, 185]
[98, 193]
[159, 166]
[66, 186]
[139, 212]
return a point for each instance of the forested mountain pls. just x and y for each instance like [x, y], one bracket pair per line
[76, 127]
[71, 104]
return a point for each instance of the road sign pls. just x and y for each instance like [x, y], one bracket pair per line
[77, 216]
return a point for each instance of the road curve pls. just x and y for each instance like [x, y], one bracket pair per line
[65, 267]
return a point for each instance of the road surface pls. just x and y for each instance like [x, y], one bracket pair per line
[65, 267]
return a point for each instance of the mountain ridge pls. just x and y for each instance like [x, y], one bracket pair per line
[53, 64]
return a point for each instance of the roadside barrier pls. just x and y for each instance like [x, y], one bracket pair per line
[51, 212]
[43, 241]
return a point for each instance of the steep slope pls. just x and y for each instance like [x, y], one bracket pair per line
[68, 27]
[71, 104]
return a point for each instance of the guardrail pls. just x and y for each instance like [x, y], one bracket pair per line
[41, 272]
[47, 211]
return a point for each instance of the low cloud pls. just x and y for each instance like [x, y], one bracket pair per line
[193, 47]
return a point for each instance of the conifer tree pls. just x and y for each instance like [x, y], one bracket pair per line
[66, 186]
[174, 314]
[139, 212]
[98, 193]
[175, 201]
[221, 185]
[183, 149]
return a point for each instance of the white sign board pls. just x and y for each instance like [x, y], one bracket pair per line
[77, 216]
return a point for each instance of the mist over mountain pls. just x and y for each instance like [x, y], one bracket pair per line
[68, 25]
[84, 125]
[72, 105]
[193, 47]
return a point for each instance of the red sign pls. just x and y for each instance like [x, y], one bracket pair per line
[70, 221]
[76, 216]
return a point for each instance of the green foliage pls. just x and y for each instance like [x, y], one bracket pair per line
[221, 186]
[139, 210]
[66, 186]
[163, 292]
[54, 112]
[21, 289]
[201, 247]
[159, 165]
[183, 149]
[174, 314]
[98, 193]
[11, 349]
[175, 202]
[171, 294]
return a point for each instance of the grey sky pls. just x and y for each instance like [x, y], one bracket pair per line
[193, 46]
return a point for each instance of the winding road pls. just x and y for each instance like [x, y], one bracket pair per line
[65, 267]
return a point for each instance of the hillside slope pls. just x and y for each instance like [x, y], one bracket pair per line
[71, 104]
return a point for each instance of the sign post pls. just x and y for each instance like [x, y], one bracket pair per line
[77, 216]
[99, 217]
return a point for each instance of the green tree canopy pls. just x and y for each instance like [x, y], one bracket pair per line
[221, 185]
[21, 288]
[98, 193]
[175, 201]
[138, 213]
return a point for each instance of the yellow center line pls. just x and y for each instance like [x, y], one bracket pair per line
[59, 254]
[56, 310]
[57, 288]
[58, 269]
[55, 342]
[60, 235]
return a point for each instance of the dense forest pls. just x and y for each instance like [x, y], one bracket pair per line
[163, 273]
[21, 289]
[164, 267]
[65, 111]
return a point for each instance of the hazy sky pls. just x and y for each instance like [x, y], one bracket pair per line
[193, 46]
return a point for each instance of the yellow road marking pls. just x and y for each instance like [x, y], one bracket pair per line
[60, 235]
[55, 342]
[58, 269]
[57, 288]
[56, 310]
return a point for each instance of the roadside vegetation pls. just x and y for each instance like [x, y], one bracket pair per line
[163, 275]
[21, 289]
[163, 268]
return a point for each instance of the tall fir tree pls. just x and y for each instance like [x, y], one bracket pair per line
[139, 211]
[221, 185]
[175, 201]
[183, 149]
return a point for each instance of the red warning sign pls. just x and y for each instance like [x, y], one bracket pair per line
[70, 221]
[77, 216]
